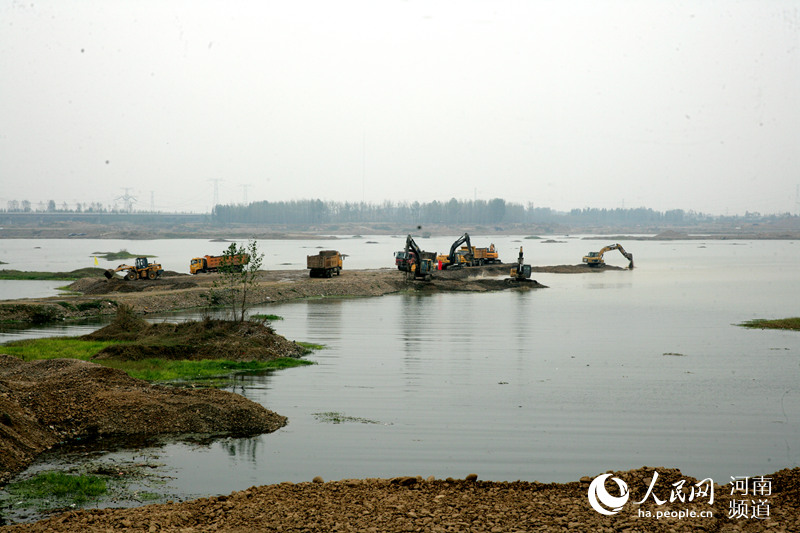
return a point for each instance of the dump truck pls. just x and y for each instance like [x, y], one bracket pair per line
[483, 256]
[325, 264]
[141, 269]
[212, 263]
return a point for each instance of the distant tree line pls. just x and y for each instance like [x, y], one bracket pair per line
[453, 212]
[25, 206]
[479, 212]
[319, 212]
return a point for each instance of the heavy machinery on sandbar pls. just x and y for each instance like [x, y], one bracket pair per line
[595, 259]
[521, 272]
[325, 264]
[457, 258]
[414, 261]
[141, 269]
[484, 256]
[212, 263]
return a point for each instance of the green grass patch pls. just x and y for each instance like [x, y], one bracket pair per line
[780, 323]
[21, 275]
[153, 369]
[167, 370]
[122, 254]
[267, 317]
[55, 348]
[46, 485]
[310, 345]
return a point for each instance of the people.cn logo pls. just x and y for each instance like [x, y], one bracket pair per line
[603, 502]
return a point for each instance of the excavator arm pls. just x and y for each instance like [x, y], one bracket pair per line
[626, 255]
[464, 239]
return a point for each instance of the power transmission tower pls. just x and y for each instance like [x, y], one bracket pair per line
[127, 198]
[216, 191]
[244, 187]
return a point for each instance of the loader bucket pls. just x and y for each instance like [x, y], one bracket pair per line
[109, 274]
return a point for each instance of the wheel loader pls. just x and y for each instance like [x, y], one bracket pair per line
[141, 269]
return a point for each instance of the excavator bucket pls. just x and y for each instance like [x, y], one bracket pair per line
[109, 274]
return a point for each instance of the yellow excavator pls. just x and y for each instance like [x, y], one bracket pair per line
[521, 272]
[416, 263]
[595, 259]
[458, 258]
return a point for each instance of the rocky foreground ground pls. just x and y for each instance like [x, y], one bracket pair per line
[430, 505]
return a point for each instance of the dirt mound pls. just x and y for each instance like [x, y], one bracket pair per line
[413, 504]
[167, 281]
[472, 272]
[671, 235]
[55, 400]
[195, 340]
[574, 269]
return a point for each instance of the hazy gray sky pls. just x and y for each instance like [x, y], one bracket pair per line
[567, 104]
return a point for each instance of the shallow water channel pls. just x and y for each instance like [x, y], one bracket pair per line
[600, 371]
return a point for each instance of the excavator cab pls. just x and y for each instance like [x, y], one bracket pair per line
[521, 272]
[422, 268]
[141, 262]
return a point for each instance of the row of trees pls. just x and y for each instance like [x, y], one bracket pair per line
[496, 211]
[25, 206]
[478, 212]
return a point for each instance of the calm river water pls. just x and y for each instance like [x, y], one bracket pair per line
[602, 370]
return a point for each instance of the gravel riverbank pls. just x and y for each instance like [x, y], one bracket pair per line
[430, 505]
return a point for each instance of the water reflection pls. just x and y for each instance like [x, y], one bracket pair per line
[324, 319]
[10, 332]
[412, 315]
[243, 448]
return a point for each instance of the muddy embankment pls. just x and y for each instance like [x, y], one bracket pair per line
[174, 291]
[47, 402]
